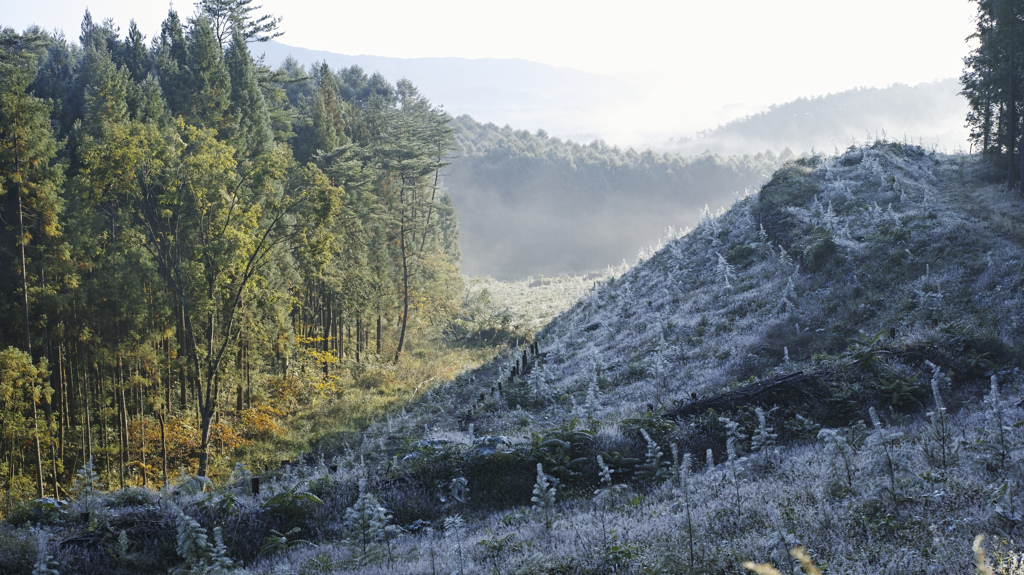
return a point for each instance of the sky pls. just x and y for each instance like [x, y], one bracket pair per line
[740, 55]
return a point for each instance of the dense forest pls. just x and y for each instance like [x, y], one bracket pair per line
[514, 188]
[185, 230]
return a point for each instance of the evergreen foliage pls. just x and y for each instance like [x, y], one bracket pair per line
[993, 83]
[170, 256]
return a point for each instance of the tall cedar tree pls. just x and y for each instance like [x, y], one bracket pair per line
[29, 184]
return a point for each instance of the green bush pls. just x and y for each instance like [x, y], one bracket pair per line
[821, 251]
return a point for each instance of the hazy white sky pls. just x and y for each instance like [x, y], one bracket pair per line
[742, 53]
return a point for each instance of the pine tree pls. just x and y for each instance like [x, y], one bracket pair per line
[544, 497]
[106, 92]
[208, 81]
[249, 130]
[171, 63]
[230, 17]
[133, 54]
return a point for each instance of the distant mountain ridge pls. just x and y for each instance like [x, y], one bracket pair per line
[930, 114]
[573, 104]
[520, 93]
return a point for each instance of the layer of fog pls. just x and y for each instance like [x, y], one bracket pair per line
[534, 236]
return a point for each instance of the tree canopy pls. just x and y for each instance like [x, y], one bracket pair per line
[185, 228]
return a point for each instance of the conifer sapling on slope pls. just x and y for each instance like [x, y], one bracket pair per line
[653, 468]
[454, 530]
[763, 442]
[544, 497]
[939, 446]
[194, 547]
[882, 459]
[86, 484]
[366, 522]
[841, 455]
[996, 443]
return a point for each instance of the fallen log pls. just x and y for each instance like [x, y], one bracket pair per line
[779, 390]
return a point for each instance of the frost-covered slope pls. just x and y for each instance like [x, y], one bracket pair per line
[890, 250]
[891, 274]
[885, 239]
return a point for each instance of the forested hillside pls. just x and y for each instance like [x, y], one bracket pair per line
[535, 204]
[194, 245]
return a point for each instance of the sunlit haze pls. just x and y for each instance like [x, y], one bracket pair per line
[706, 61]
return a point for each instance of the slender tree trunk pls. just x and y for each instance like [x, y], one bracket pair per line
[104, 436]
[378, 334]
[248, 378]
[359, 336]
[328, 322]
[169, 376]
[1011, 139]
[22, 239]
[83, 382]
[122, 451]
[48, 403]
[141, 414]
[430, 206]
[124, 418]
[161, 415]
[62, 395]
[205, 431]
[405, 292]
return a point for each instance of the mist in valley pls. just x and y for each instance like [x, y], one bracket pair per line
[561, 171]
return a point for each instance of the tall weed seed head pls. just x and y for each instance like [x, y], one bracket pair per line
[685, 475]
[734, 468]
